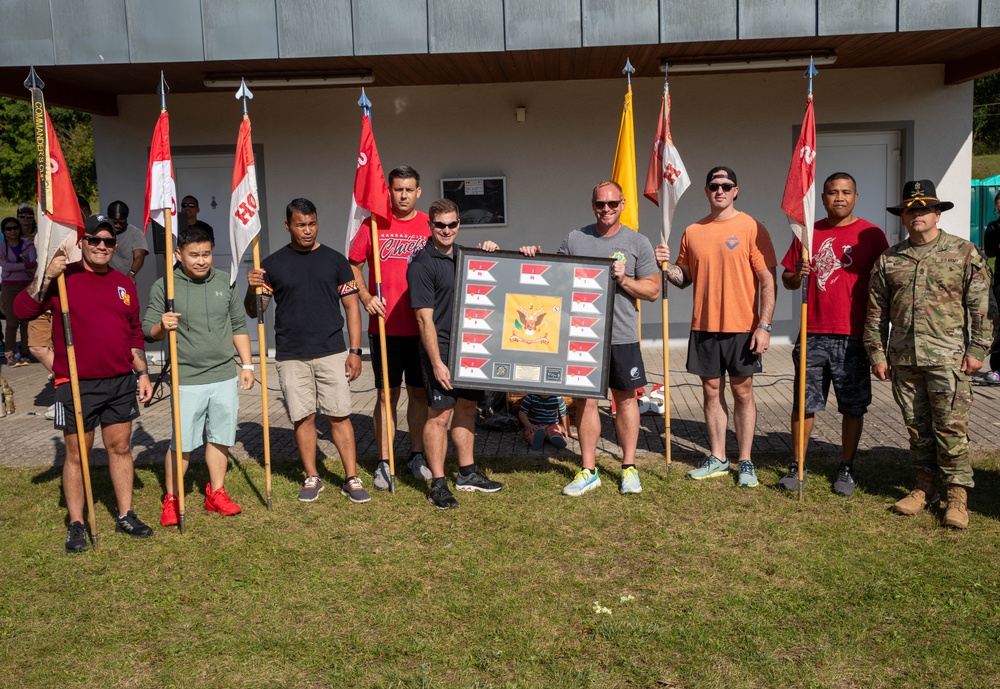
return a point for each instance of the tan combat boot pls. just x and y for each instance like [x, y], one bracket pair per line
[956, 515]
[921, 496]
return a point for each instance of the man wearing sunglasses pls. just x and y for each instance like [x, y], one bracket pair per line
[636, 277]
[407, 234]
[729, 258]
[190, 210]
[110, 356]
[132, 245]
[431, 276]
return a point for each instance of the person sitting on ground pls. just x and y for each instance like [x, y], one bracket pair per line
[210, 324]
[544, 418]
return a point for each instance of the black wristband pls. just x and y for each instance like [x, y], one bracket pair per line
[354, 351]
[143, 372]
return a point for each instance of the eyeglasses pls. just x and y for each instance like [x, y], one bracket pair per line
[189, 205]
[442, 225]
[109, 242]
[25, 215]
[725, 186]
[610, 204]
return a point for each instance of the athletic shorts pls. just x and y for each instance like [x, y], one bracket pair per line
[40, 331]
[438, 397]
[842, 360]
[104, 401]
[208, 412]
[626, 371]
[710, 355]
[403, 352]
[311, 385]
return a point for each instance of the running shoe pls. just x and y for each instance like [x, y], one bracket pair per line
[440, 496]
[219, 502]
[418, 467]
[133, 526]
[630, 481]
[170, 513]
[844, 483]
[477, 481]
[76, 538]
[790, 481]
[585, 479]
[311, 489]
[710, 467]
[748, 475]
[354, 491]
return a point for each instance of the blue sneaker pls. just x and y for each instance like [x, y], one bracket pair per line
[748, 475]
[584, 480]
[710, 467]
[630, 481]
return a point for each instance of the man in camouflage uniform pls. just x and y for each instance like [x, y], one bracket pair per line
[933, 289]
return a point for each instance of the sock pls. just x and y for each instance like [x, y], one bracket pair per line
[413, 454]
[350, 478]
[439, 482]
[627, 466]
[467, 470]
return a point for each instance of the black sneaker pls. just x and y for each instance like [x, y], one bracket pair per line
[76, 538]
[440, 496]
[844, 484]
[133, 526]
[477, 481]
[790, 481]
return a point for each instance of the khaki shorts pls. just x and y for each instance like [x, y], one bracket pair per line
[40, 331]
[311, 385]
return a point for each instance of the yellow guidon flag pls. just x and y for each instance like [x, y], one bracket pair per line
[531, 323]
[623, 172]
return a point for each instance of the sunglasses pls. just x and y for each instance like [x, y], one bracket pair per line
[25, 215]
[12, 228]
[189, 205]
[610, 204]
[109, 242]
[442, 225]
[725, 186]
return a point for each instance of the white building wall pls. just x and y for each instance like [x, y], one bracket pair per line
[551, 161]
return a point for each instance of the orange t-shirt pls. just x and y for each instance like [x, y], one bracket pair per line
[723, 257]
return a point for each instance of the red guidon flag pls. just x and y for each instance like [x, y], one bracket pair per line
[531, 274]
[799, 200]
[480, 270]
[579, 376]
[244, 214]
[666, 177]
[477, 294]
[476, 319]
[472, 368]
[582, 327]
[60, 224]
[583, 302]
[371, 195]
[586, 278]
[580, 351]
[474, 343]
[161, 193]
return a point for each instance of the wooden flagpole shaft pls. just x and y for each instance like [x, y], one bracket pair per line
[390, 431]
[74, 379]
[666, 372]
[262, 347]
[800, 441]
[175, 375]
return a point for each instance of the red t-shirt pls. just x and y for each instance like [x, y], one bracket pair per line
[396, 245]
[104, 315]
[842, 261]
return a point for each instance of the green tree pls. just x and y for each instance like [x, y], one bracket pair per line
[986, 115]
[18, 177]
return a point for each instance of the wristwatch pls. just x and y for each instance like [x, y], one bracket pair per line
[354, 351]
[766, 327]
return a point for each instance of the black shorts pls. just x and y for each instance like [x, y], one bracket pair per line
[710, 355]
[438, 397]
[103, 400]
[403, 352]
[625, 371]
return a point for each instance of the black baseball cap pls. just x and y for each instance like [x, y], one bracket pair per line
[96, 223]
[722, 172]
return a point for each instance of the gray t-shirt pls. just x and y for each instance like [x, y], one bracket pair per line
[625, 245]
[128, 241]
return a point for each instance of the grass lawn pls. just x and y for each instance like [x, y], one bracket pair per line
[706, 585]
[984, 166]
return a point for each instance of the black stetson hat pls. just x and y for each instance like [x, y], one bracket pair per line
[921, 194]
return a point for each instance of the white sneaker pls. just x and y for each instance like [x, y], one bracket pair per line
[50, 413]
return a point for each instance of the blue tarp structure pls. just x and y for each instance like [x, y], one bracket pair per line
[983, 212]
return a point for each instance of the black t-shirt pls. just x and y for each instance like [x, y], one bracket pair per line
[431, 276]
[308, 287]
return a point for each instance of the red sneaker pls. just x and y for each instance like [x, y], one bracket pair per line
[220, 502]
[170, 516]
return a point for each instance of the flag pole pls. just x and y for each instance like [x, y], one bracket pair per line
[244, 93]
[803, 319]
[390, 431]
[35, 84]
[666, 321]
[163, 89]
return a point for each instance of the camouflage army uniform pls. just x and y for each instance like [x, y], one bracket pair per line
[938, 307]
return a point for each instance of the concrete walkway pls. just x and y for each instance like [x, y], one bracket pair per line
[27, 439]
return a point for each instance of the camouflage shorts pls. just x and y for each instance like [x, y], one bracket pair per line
[837, 359]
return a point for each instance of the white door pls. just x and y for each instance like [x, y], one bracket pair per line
[874, 160]
[209, 179]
